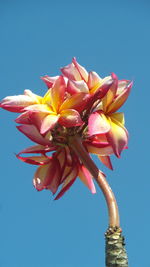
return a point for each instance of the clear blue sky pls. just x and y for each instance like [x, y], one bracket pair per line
[37, 38]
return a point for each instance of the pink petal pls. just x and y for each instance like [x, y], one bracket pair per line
[61, 156]
[101, 83]
[71, 72]
[103, 151]
[36, 98]
[39, 108]
[57, 93]
[93, 79]
[81, 70]
[120, 99]
[106, 161]
[16, 103]
[38, 149]
[32, 133]
[56, 180]
[77, 87]
[49, 81]
[100, 92]
[48, 123]
[77, 101]
[24, 118]
[36, 160]
[98, 124]
[42, 177]
[69, 181]
[47, 176]
[86, 178]
[96, 143]
[66, 172]
[122, 84]
[99, 138]
[117, 136]
[109, 97]
[36, 118]
[65, 188]
[70, 118]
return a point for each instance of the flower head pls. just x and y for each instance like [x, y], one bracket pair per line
[105, 119]
[76, 104]
[78, 80]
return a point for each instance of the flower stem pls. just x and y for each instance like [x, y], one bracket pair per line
[116, 255]
[77, 146]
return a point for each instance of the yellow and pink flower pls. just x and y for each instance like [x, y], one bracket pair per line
[105, 119]
[63, 166]
[77, 103]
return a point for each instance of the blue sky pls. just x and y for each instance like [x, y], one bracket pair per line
[37, 38]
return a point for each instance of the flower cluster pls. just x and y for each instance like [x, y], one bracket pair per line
[77, 103]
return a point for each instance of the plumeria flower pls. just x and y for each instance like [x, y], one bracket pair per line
[55, 107]
[105, 119]
[78, 80]
[58, 107]
[63, 166]
[77, 104]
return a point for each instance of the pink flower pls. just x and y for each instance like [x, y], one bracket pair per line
[105, 119]
[56, 107]
[77, 104]
[62, 168]
[78, 80]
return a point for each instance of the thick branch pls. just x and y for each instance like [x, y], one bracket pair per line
[116, 255]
